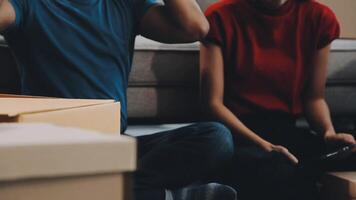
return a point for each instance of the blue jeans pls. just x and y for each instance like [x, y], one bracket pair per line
[177, 158]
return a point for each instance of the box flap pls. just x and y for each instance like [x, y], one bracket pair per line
[10, 106]
[2, 95]
[348, 180]
[43, 151]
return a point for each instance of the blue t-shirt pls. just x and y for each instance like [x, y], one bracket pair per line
[76, 48]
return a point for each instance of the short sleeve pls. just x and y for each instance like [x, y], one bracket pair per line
[329, 28]
[216, 32]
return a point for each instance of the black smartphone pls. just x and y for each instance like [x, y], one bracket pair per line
[339, 154]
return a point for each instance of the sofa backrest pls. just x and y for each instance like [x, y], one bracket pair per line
[164, 82]
[341, 84]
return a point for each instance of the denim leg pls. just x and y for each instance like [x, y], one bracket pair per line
[176, 158]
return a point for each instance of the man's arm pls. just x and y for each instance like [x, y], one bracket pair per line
[177, 21]
[7, 14]
[315, 106]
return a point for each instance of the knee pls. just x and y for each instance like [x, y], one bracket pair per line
[220, 141]
[279, 168]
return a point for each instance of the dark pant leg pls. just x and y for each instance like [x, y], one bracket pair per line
[179, 157]
[262, 175]
[307, 147]
[257, 174]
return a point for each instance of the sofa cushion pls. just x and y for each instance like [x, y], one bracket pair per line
[164, 83]
[342, 67]
[165, 68]
[140, 130]
[165, 79]
[341, 84]
[162, 104]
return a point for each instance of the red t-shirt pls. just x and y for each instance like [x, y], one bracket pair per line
[267, 53]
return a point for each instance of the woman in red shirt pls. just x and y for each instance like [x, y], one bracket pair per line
[263, 64]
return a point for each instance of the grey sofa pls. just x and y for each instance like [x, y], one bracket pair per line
[164, 85]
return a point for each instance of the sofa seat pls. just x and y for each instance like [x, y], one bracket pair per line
[140, 130]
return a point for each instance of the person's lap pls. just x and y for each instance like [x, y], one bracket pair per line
[174, 159]
[269, 175]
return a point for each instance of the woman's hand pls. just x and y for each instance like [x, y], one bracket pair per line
[339, 139]
[277, 148]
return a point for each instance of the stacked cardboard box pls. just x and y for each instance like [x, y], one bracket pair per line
[99, 115]
[339, 186]
[42, 162]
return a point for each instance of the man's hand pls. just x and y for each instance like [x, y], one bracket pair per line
[7, 14]
[339, 139]
[178, 21]
[280, 149]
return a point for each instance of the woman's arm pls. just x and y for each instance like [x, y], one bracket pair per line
[315, 106]
[212, 85]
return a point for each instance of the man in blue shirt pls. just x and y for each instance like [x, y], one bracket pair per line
[84, 49]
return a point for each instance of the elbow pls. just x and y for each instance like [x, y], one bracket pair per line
[202, 30]
[310, 99]
[208, 107]
[312, 102]
[197, 30]
[214, 106]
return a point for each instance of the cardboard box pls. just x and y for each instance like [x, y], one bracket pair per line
[339, 186]
[346, 14]
[99, 115]
[42, 162]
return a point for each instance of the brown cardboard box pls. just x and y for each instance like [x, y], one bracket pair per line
[339, 186]
[42, 162]
[346, 14]
[99, 115]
